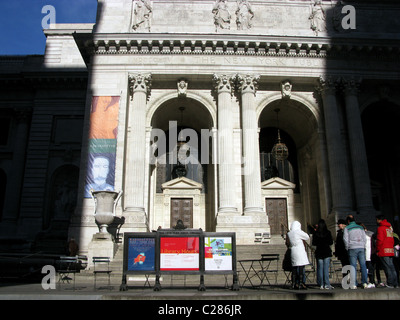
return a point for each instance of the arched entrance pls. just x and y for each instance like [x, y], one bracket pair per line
[380, 122]
[182, 174]
[291, 188]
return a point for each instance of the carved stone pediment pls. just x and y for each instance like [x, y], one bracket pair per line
[277, 183]
[182, 183]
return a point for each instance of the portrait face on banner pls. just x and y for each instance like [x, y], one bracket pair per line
[102, 145]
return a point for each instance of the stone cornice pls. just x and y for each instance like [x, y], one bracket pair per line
[237, 45]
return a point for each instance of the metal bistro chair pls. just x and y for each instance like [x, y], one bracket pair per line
[67, 267]
[101, 265]
[270, 265]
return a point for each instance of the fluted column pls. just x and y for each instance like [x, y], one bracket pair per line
[358, 152]
[226, 180]
[247, 86]
[139, 86]
[338, 164]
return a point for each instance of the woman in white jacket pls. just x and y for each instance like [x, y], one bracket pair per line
[298, 254]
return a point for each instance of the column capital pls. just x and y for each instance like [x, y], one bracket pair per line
[140, 83]
[223, 83]
[247, 83]
[351, 85]
[327, 84]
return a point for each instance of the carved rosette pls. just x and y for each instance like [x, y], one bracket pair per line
[140, 83]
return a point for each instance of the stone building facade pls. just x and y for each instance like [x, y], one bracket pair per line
[183, 101]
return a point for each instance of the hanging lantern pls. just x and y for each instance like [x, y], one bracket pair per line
[280, 151]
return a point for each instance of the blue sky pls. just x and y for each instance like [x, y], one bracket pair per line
[21, 22]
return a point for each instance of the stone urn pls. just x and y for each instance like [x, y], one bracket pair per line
[105, 204]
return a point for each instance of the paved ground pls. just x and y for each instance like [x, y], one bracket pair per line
[86, 291]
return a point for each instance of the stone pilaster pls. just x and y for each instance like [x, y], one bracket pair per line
[134, 194]
[358, 152]
[338, 166]
[247, 87]
[223, 85]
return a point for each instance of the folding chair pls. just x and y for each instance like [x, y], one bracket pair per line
[101, 265]
[67, 267]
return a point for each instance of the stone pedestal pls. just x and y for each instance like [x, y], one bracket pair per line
[102, 245]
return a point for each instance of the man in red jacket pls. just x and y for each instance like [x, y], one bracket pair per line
[385, 249]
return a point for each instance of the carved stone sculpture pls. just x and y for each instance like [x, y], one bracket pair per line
[318, 18]
[222, 17]
[141, 10]
[244, 15]
[286, 88]
[182, 88]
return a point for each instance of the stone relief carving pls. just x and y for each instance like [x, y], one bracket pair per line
[317, 18]
[286, 88]
[141, 11]
[247, 83]
[182, 88]
[244, 15]
[140, 83]
[222, 17]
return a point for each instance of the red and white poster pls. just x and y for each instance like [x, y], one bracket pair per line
[179, 253]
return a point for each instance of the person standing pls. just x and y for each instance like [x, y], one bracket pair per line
[354, 239]
[385, 250]
[299, 256]
[340, 249]
[322, 239]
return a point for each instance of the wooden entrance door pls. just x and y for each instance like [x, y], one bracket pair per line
[277, 214]
[182, 209]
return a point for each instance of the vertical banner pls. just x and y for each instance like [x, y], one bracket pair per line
[218, 253]
[102, 144]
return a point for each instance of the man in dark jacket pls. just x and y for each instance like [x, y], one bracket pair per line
[340, 250]
[385, 249]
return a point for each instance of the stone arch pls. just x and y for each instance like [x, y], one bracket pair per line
[300, 118]
[205, 101]
[199, 114]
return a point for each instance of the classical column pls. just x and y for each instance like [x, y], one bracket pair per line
[14, 184]
[338, 166]
[223, 85]
[358, 152]
[134, 194]
[247, 86]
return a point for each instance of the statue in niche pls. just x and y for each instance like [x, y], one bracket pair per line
[244, 15]
[141, 10]
[317, 18]
[222, 17]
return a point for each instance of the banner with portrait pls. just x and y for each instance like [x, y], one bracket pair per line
[102, 144]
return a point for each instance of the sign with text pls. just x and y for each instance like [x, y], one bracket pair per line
[141, 254]
[179, 253]
[218, 253]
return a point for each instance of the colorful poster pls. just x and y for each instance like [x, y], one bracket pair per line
[218, 253]
[179, 253]
[102, 144]
[141, 254]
